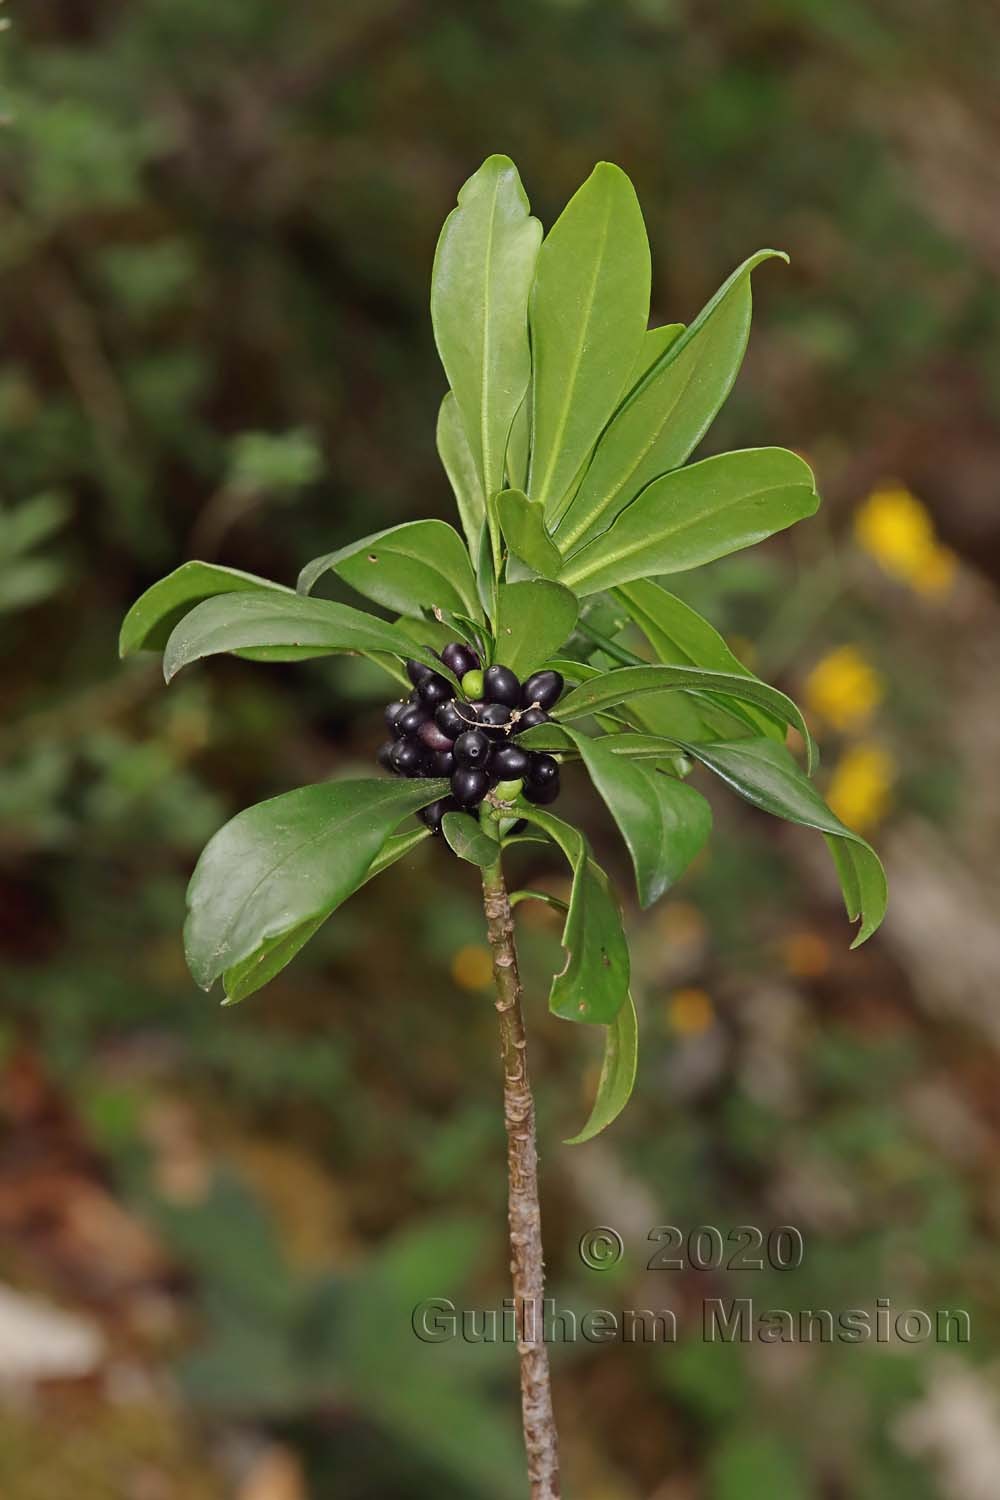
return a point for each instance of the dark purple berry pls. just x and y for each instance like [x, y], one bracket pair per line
[542, 769]
[392, 715]
[501, 686]
[472, 749]
[433, 814]
[459, 658]
[530, 718]
[435, 689]
[416, 671]
[430, 735]
[543, 688]
[449, 718]
[468, 786]
[384, 754]
[410, 720]
[440, 762]
[407, 757]
[494, 718]
[542, 795]
[509, 762]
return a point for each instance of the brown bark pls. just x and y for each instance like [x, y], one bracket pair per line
[524, 1214]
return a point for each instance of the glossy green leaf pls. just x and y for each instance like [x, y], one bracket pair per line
[273, 955]
[519, 445]
[523, 526]
[483, 270]
[664, 823]
[655, 343]
[589, 310]
[766, 775]
[614, 1087]
[281, 627]
[419, 565]
[533, 619]
[695, 515]
[467, 838]
[149, 622]
[463, 476]
[664, 419]
[593, 984]
[278, 866]
[625, 683]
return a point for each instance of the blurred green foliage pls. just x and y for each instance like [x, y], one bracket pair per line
[218, 230]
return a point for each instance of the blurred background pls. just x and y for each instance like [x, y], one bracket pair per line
[218, 225]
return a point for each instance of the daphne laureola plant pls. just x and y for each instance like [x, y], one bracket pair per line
[565, 435]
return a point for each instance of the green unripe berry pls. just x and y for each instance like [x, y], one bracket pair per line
[472, 684]
[508, 791]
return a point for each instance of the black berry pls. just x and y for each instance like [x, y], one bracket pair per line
[441, 763]
[453, 718]
[494, 717]
[542, 795]
[393, 711]
[543, 688]
[459, 658]
[384, 754]
[500, 685]
[433, 814]
[531, 717]
[411, 719]
[469, 787]
[407, 757]
[435, 689]
[416, 671]
[472, 749]
[542, 769]
[430, 735]
[509, 762]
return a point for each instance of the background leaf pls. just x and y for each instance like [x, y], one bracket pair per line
[534, 617]
[288, 861]
[419, 565]
[463, 475]
[483, 270]
[614, 1087]
[663, 822]
[593, 984]
[697, 514]
[664, 419]
[589, 310]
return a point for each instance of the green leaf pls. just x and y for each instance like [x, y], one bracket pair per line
[467, 838]
[663, 822]
[419, 565]
[534, 617]
[766, 775]
[519, 445]
[460, 467]
[593, 985]
[523, 526]
[678, 634]
[655, 343]
[286, 862]
[695, 515]
[589, 309]
[664, 419]
[273, 955]
[155, 613]
[625, 683]
[614, 1087]
[483, 270]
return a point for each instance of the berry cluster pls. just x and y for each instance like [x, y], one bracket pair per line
[473, 739]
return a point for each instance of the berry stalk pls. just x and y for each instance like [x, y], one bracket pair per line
[523, 1209]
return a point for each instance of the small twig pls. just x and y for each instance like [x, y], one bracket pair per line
[524, 1212]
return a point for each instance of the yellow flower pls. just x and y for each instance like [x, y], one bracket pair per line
[898, 531]
[690, 1012]
[861, 787]
[472, 967]
[844, 688]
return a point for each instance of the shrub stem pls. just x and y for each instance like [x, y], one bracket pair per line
[524, 1213]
